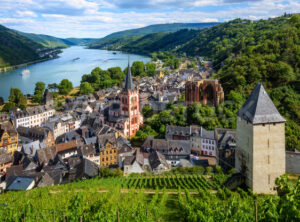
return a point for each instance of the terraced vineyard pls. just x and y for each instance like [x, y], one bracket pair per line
[168, 182]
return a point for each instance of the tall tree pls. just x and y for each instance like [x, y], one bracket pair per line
[38, 92]
[65, 87]
[16, 97]
[138, 68]
[86, 88]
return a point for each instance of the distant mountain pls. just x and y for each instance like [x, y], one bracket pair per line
[170, 27]
[16, 49]
[81, 41]
[151, 38]
[146, 44]
[54, 42]
[47, 40]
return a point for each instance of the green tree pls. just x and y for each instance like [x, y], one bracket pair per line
[150, 69]
[38, 92]
[147, 111]
[53, 87]
[86, 88]
[65, 87]
[7, 106]
[17, 97]
[137, 68]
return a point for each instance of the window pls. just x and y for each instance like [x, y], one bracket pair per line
[269, 179]
[268, 159]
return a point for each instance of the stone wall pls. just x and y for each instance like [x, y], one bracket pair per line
[292, 162]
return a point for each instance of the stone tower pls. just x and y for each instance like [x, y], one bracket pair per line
[260, 151]
[47, 98]
[129, 98]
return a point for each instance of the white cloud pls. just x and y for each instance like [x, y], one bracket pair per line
[26, 14]
[97, 18]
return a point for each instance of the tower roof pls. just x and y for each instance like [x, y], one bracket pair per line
[259, 108]
[128, 79]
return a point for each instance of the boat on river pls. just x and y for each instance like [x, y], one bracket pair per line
[25, 72]
[75, 59]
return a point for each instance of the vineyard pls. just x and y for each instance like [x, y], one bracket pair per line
[168, 182]
[175, 198]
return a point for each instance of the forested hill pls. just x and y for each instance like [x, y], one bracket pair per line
[246, 52]
[47, 40]
[15, 48]
[266, 51]
[54, 42]
[146, 44]
[170, 27]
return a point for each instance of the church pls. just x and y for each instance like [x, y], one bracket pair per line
[124, 113]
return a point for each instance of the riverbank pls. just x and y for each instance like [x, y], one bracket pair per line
[10, 68]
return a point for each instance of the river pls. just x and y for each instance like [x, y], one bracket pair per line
[64, 67]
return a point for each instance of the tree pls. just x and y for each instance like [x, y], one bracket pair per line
[147, 111]
[38, 92]
[116, 73]
[65, 87]
[17, 97]
[8, 106]
[137, 68]
[53, 87]
[86, 88]
[150, 69]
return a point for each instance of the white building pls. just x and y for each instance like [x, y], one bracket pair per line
[33, 116]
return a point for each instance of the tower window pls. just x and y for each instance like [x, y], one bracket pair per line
[269, 179]
[268, 159]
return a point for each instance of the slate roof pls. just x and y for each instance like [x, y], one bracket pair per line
[156, 158]
[129, 160]
[21, 183]
[46, 180]
[46, 154]
[259, 108]
[128, 80]
[86, 150]
[31, 148]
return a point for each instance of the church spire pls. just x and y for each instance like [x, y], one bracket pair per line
[128, 79]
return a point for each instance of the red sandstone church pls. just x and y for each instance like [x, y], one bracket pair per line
[207, 91]
[124, 114]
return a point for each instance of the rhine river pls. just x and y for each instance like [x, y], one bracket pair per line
[64, 67]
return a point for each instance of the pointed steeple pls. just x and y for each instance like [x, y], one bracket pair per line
[259, 108]
[128, 79]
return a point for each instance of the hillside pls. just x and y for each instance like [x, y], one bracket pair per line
[15, 48]
[150, 198]
[158, 28]
[145, 44]
[246, 52]
[54, 42]
[171, 27]
[47, 40]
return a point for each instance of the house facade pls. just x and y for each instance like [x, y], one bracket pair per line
[8, 137]
[33, 116]
[109, 155]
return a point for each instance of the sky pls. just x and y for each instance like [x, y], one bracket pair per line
[98, 18]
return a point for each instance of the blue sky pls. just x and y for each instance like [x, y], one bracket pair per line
[97, 18]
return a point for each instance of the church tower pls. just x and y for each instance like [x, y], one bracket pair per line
[129, 98]
[260, 151]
